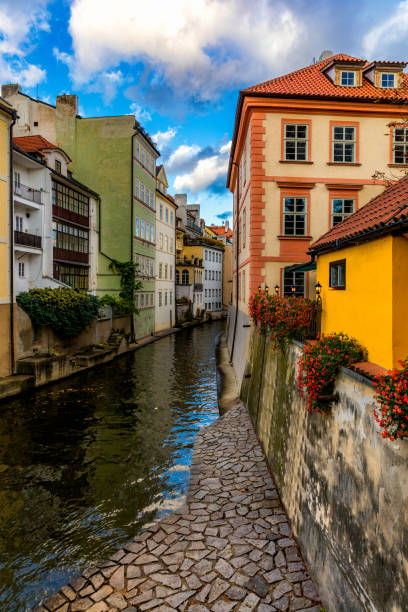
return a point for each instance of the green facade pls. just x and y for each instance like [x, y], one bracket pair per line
[101, 150]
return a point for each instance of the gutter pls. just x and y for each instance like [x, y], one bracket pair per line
[11, 245]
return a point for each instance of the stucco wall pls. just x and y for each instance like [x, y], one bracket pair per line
[344, 487]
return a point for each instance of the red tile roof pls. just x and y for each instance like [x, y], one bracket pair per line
[311, 82]
[33, 144]
[220, 230]
[383, 214]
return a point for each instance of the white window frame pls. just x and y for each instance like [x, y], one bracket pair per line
[347, 74]
[387, 75]
[344, 142]
[341, 214]
[296, 140]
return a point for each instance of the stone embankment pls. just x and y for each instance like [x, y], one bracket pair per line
[230, 549]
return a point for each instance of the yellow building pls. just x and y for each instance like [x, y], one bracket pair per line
[7, 335]
[362, 266]
[308, 150]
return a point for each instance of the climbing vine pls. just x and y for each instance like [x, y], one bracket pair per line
[129, 285]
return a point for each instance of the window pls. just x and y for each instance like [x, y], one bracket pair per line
[21, 270]
[152, 237]
[142, 300]
[161, 212]
[344, 140]
[137, 150]
[147, 231]
[341, 208]
[243, 228]
[19, 223]
[65, 197]
[160, 298]
[165, 298]
[348, 78]
[165, 270]
[152, 268]
[151, 299]
[388, 80]
[171, 217]
[137, 226]
[171, 272]
[142, 229]
[137, 301]
[74, 276]
[160, 270]
[400, 145]
[205, 274]
[185, 278]
[337, 278]
[294, 216]
[142, 192]
[177, 277]
[17, 180]
[170, 297]
[167, 215]
[137, 188]
[205, 292]
[161, 241]
[171, 245]
[296, 141]
[70, 238]
[293, 279]
[58, 165]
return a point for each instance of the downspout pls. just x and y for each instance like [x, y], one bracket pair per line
[11, 246]
[98, 198]
[236, 270]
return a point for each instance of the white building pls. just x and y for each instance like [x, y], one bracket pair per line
[165, 312]
[212, 281]
[55, 220]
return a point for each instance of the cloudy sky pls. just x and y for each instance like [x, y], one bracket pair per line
[178, 65]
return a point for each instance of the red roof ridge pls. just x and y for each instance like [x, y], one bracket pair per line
[382, 211]
[321, 63]
[35, 143]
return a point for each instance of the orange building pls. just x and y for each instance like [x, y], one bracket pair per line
[309, 148]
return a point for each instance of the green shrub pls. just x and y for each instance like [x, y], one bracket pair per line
[66, 311]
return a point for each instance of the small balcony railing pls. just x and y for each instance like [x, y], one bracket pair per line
[28, 193]
[25, 239]
[198, 286]
[68, 256]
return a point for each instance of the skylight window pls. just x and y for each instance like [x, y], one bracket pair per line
[348, 78]
[388, 80]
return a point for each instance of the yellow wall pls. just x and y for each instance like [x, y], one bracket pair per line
[372, 308]
[193, 251]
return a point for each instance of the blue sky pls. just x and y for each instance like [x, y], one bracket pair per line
[178, 64]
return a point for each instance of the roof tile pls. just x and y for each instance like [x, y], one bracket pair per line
[33, 144]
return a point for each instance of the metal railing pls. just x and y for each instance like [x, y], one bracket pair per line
[25, 239]
[28, 193]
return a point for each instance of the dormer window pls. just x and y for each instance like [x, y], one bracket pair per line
[388, 80]
[348, 78]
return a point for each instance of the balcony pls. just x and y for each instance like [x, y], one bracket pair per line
[70, 256]
[198, 286]
[70, 215]
[25, 239]
[28, 193]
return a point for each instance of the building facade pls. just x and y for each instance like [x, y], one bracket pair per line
[55, 219]
[117, 159]
[165, 315]
[212, 279]
[309, 148]
[224, 234]
[7, 309]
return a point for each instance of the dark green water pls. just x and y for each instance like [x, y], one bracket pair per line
[85, 463]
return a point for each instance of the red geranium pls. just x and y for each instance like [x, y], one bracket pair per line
[392, 395]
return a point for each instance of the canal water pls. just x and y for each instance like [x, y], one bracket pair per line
[86, 463]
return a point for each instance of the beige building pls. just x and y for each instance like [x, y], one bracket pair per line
[165, 311]
[309, 148]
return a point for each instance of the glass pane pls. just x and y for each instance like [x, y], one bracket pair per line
[290, 131]
[289, 204]
[349, 133]
[337, 219]
[301, 151]
[338, 133]
[348, 206]
[300, 225]
[301, 131]
[338, 152]
[289, 225]
[290, 150]
[337, 206]
[300, 205]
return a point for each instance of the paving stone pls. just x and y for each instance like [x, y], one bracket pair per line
[54, 602]
[232, 536]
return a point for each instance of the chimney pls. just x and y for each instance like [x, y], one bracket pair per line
[7, 91]
[67, 105]
[226, 225]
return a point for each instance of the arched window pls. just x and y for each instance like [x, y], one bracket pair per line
[177, 277]
[185, 277]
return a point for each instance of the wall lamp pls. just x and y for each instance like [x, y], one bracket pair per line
[318, 289]
[266, 288]
[293, 289]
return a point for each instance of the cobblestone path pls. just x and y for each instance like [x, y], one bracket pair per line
[230, 548]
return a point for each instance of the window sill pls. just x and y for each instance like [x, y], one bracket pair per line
[397, 165]
[304, 238]
[294, 161]
[343, 164]
[337, 288]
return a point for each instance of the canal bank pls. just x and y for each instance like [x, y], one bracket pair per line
[39, 370]
[230, 548]
[87, 462]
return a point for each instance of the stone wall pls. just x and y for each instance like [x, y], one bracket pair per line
[43, 339]
[344, 487]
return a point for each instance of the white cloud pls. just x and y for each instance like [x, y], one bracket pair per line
[182, 157]
[141, 114]
[199, 47]
[205, 172]
[19, 23]
[162, 139]
[390, 32]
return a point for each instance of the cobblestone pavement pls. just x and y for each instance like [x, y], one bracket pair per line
[230, 549]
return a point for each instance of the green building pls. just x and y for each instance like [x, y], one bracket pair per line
[117, 158]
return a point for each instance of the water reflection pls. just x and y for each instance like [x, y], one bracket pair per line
[85, 463]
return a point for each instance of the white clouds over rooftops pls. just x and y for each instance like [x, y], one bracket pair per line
[203, 46]
[163, 139]
[389, 35]
[205, 173]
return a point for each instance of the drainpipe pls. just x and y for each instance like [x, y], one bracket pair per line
[236, 268]
[11, 246]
